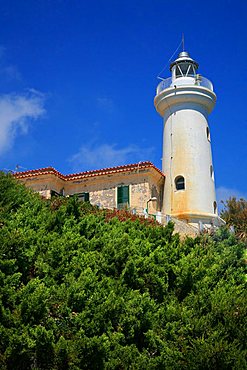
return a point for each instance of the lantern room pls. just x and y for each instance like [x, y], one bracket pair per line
[183, 68]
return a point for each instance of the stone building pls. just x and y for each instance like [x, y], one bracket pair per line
[137, 187]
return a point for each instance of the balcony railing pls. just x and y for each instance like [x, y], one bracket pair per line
[185, 81]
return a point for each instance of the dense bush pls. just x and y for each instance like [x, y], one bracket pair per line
[82, 288]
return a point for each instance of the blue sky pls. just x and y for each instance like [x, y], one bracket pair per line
[78, 78]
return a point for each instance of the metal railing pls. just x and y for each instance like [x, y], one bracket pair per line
[164, 84]
[198, 80]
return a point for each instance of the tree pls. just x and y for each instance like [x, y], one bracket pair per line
[235, 214]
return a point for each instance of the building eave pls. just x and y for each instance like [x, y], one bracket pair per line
[135, 167]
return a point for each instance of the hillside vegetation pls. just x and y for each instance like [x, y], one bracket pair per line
[82, 288]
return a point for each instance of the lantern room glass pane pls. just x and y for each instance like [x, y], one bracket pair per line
[185, 69]
[178, 72]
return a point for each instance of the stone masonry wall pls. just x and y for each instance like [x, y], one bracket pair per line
[104, 198]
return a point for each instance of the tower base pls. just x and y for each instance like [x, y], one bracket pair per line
[202, 221]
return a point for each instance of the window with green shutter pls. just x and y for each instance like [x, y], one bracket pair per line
[122, 197]
[84, 197]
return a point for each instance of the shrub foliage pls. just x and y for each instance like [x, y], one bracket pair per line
[82, 288]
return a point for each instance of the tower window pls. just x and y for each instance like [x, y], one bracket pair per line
[212, 172]
[208, 133]
[179, 183]
[215, 206]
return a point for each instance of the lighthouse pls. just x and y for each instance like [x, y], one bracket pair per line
[185, 101]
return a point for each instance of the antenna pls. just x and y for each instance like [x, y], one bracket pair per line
[18, 167]
[169, 60]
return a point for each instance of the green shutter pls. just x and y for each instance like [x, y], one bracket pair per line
[122, 196]
[86, 197]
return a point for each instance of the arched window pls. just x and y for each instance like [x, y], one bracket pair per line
[208, 133]
[179, 183]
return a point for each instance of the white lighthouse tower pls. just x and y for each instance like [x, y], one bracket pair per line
[184, 101]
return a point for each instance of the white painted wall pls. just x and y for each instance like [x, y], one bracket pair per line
[187, 151]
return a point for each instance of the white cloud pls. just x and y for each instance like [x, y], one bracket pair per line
[223, 193]
[93, 156]
[16, 113]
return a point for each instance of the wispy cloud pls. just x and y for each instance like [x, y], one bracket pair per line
[7, 70]
[223, 193]
[11, 72]
[105, 103]
[16, 113]
[93, 156]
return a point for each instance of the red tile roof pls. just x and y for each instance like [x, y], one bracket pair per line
[103, 171]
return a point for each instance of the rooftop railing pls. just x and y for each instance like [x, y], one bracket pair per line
[198, 80]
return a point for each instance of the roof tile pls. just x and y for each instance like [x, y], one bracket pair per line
[85, 174]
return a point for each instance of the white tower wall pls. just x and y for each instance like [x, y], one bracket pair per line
[187, 153]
